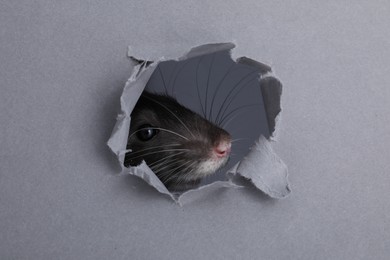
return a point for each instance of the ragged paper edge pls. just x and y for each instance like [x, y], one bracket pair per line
[261, 165]
[262, 159]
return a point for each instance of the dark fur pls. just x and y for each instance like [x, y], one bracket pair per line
[202, 135]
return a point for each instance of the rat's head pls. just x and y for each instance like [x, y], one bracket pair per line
[179, 145]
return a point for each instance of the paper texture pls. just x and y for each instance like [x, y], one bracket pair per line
[258, 162]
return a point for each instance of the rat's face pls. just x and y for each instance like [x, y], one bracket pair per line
[177, 144]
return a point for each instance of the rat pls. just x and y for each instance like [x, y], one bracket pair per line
[180, 146]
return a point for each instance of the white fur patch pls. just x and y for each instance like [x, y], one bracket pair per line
[209, 167]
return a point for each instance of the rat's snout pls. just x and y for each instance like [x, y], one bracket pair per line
[222, 149]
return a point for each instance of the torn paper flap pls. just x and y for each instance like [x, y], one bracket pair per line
[241, 95]
[263, 68]
[264, 169]
[145, 173]
[207, 49]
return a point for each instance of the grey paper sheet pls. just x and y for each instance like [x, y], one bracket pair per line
[63, 67]
[208, 81]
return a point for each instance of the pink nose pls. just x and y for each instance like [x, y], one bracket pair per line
[222, 149]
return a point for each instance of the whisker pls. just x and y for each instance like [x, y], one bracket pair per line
[218, 86]
[197, 86]
[236, 109]
[168, 165]
[164, 172]
[236, 94]
[159, 166]
[185, 163]
[162, 151]
[238, 139]
[162, 129]
[154, 147]
[172, 114]
[162, 77]
[177, 75]
[162, 160]
[231, 91]
[169, 175]
[208, 81]
[184, 177]
[172, 74]
[224, 125]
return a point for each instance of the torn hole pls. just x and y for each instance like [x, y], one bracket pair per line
[167, 141]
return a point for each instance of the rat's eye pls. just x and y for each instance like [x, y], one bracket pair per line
[146, 132]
